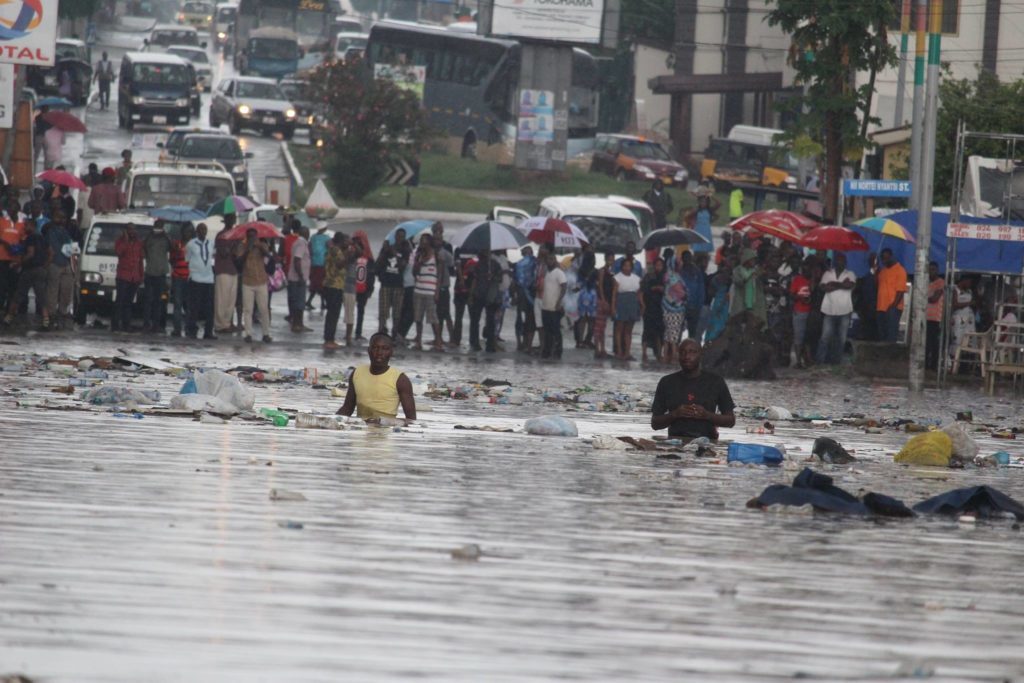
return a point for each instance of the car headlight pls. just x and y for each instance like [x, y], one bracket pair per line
[290, 113]
[209, 18]
[181, 102]
[138, 100]
[94, 278]
[310, 119]
[244, 109]
[181, 16]
[640, 168]
[221, 35]
[681, 175]
[238, 168]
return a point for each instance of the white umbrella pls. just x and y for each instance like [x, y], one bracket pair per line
[488, 235]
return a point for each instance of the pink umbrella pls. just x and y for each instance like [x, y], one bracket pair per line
[62, 178]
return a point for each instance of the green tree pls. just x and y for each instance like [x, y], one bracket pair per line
[77, 9]
[986, 105]
[832, 41]
[368, 122]
[651, 19]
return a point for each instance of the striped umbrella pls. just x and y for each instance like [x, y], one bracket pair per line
[488, 236]
[886, 226]
[233, 203]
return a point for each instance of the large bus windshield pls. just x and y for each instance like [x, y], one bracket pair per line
[273, 48]
[200, 192]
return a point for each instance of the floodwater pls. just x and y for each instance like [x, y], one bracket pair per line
[150, 550]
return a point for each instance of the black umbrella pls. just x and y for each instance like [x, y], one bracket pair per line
[670, 237]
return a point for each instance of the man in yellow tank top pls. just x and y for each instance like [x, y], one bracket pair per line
[375, 390]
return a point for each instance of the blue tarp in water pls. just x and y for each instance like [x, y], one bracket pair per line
[989, 256]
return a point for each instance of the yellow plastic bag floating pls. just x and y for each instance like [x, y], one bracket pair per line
[932, 448]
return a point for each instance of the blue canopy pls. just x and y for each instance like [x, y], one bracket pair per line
[983, 256]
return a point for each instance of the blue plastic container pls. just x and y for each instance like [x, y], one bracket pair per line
[754, 453]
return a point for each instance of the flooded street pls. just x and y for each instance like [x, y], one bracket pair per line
[150, 549]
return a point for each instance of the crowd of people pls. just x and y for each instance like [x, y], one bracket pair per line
[804, 305]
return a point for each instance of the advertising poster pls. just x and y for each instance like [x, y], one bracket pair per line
[28, 32]
[563, 21]
[536, 116]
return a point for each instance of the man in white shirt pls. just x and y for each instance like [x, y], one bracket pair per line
[837, 307]
[298, 278]
[199, 293]
[551, 308]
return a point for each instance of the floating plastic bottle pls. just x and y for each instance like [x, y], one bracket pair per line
[276, 416]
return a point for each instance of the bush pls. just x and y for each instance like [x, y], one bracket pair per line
[368, 123]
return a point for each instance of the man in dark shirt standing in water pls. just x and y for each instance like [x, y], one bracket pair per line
[686, 401]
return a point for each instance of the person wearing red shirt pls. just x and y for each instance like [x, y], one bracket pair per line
[179, 277]
[800, 290]
[12, 234]
[129, 276]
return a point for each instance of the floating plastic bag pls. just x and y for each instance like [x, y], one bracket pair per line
[753, 453]
[108, 395]
[964, 447]
[603, 442]
[777, 413]
[225, 387]
[204, 403]
[551, 425]
[931, 448]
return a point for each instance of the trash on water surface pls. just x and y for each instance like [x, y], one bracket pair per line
[109, 395]
[551, 425]
[289, 524]
[208, 419]
[604, 442]
[964, 447]
[753, 453]
[468, 553]
[285, 494]
[204, 403]
[817, 490]
[226, 387]
[984, 502]
[830, 450]
[932, 448]
[279, 418]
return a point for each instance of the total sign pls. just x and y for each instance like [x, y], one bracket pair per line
[28, 32]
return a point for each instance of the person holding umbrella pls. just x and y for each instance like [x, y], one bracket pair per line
[485, 299]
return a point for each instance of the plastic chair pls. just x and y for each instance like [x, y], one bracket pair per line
[975, 344]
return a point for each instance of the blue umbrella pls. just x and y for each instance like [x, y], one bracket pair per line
[412, 228]
[177, 214]
[52, 102]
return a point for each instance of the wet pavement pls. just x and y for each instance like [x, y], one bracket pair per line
[149, 549]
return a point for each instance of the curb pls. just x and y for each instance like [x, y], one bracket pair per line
[292, 168]
[348, 215]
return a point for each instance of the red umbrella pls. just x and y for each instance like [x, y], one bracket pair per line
[835, 238]
[68, 123]
[62, 178]
[775, 217]
[544, 230]
[263, 229]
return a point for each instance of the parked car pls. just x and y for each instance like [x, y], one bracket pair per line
[630, 157]
[221, 148]
[73, 58]
[253, 103]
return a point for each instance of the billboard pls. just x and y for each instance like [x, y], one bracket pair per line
[28, 32]
[563, 21]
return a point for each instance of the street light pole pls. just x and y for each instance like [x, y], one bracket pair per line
[924, 208]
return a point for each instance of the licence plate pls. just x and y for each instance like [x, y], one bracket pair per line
[269, 119]
[666, 180]
[50, 80]
[159, 119]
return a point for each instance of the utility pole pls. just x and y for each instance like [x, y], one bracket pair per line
[901, 79]
[924, 209]
[918, 114]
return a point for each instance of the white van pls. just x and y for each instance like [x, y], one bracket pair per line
[755, 135]
[195, 184]
[98, 263]
[607, 223]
